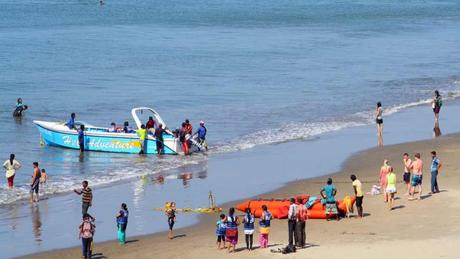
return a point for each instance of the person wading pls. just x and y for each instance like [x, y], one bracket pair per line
[11, 166]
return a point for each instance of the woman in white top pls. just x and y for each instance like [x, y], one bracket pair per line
[11, 165]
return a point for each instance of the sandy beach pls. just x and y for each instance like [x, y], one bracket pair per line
[423, 229]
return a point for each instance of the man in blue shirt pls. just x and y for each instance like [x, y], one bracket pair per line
[435, 166]
[202, 135]
[71, 122]
[81, 138]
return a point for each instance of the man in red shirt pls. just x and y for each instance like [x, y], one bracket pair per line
[300, 235]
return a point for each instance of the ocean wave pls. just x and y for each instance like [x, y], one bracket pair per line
[60, 184]
[310, 130]
[289, 132]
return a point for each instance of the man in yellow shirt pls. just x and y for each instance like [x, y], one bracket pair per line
[359, 194]
[142, 133]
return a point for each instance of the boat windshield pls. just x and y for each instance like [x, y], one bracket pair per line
[141, 116]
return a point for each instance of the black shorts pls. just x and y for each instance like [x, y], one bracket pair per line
[220, 238]
[34, 188]
[359, 201]
[379, 121]
[159, 146]
[171, 223]
[406, 177]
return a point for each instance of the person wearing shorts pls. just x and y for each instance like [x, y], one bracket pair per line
[35, 184]
[357, 186]
[391, 188]
[406, 175]
[220, 232]
[417, 169]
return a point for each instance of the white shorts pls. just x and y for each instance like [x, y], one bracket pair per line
[249, 232]
[391, 190]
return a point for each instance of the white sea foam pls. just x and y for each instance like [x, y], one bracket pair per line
[289, 132]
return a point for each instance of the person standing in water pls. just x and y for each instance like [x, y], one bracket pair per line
[87, 197]
[122, 223]
[407, 168]
[159, 139]
[35, 183]
[357, 187]
[384, 170]
[436, 104]
[11, 166]
[391, 188]
[142, 133]
[183, 139]
[201, 132]
[71, 123]
[171, 214]
[20, 108]
[435, 166]
[248, 223]
[81, 138]
[379, 122]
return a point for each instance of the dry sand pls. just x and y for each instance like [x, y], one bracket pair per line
[416, 229]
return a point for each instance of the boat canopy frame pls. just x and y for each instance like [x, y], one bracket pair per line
[155, 114]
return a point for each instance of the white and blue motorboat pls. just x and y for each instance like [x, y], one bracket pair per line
[101, 139]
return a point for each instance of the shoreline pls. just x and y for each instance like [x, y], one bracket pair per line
[359, 161]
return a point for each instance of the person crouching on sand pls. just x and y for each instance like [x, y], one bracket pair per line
[391, 188]
[220, 232]
[231, 232]
[384, 170]
[264, 226]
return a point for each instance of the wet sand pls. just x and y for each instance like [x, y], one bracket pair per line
[423, 229]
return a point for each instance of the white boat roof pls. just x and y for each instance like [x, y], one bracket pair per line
[154, 113]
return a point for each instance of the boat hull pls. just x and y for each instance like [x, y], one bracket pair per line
[106, 142]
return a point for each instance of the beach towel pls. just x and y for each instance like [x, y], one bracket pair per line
[375, 190]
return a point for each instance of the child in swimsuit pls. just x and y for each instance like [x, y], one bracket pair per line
[44, 177]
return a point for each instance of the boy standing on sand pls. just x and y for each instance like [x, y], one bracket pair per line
[220, 232]
[406, 175]
[435, 166]
[87, 197]
[359, 194]
[417, 170]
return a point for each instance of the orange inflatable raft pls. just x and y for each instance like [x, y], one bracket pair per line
[280, 208]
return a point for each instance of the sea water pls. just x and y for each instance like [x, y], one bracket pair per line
[256, 72]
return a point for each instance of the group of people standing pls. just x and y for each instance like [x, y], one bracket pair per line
[227, 229]
[412, 177]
